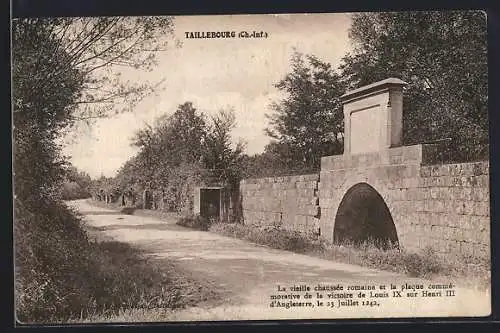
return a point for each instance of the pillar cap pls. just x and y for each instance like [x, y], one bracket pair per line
[380, 85]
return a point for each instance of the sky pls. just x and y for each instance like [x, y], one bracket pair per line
[214, 74]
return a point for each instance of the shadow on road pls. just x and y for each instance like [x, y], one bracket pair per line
[151, 226]
[100, 213]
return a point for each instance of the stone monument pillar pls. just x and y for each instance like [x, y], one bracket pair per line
[373, 117]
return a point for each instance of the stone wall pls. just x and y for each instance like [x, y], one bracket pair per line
[445, 207]
[450, 209]
[290, 202]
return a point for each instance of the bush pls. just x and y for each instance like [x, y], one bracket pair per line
[195, 222]
[424, 264]
[61, 275]
[73, 191]
[269, 235]
[49, 247]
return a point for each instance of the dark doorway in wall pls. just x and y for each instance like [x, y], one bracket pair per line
[363, 217]
[210, 203]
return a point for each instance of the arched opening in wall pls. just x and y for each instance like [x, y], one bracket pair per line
[363, 217]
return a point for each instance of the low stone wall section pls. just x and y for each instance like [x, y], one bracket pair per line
[290, 202]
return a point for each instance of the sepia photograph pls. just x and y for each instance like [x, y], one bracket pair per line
[198, 168]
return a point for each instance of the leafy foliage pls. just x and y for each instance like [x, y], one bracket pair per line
[194, 222]
[223, 161]
[276, 160]
[62, 72]
[76, 185]
[182, 151]
[443, 57]
[308, 122]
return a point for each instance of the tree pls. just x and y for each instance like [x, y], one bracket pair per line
[174, 140]
[76, 184]
[309, 120]
[276, 160]
[181, 151]
[96, 48]
[64, 70]
[443, 57]
[38, 117]
[219, 157]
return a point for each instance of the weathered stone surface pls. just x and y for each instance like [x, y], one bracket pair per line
[289, 201]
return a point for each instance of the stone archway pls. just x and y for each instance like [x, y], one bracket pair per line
[363, 216]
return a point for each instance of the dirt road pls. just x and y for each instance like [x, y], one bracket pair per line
[250, 274]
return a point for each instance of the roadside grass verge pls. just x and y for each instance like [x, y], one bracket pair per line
[270, 236]
[194, 222]
[143, 287]
[67, 271]
[466, 270]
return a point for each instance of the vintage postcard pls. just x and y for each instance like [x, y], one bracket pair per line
[251, 167]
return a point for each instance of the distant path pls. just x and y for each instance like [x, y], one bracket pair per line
[250, 273]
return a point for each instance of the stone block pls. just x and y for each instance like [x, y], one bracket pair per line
[437, 181]
[418, 205]
[444, 193]
[434, 192]
[480, 194]
[483, 181]
[457, 193]
[457, 220]
[326, 163]
[465, 221]
[314, 201]
[458, 207]
[412, 194]
[434, 171]
[453, 246]
[425, 241]
[466, 193]
[480, 222]
[467, 169]
[439, 206]
[443, 181]
[466, 248]
[425, 171]
[396, 171]
[395, 159]
[425, 182]
[427, 205]
[480, 208]
[481, 251]
[412, 171]
[485, 237]
[423, 193]
[411, 182]
[444, 170]
[472, 236]
[461, 234]
[455, 181]
[454, 169]
[380, 172]
[306, 184]
[412, 153]
[477, 169]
